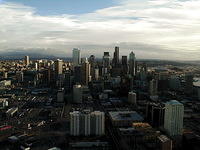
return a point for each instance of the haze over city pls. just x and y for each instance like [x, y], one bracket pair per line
[99, 75]
[154, 29]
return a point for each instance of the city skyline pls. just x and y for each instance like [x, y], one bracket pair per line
[163, 29]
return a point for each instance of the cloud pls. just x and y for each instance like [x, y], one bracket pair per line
[163, 29]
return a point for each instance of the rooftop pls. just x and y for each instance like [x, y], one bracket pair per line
[163, 138]
[173, 102]
[125, 115]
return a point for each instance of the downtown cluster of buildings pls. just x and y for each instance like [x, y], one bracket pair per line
[113, 102]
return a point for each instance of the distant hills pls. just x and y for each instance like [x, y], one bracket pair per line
[19, 54]
[50, 54]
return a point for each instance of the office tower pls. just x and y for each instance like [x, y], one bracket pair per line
[60, 95]
[92, 66]
[155, 113]
[87, 123]
[77, 76]
[174, 83]
[124, 65]
[116, 57]
[77, 93]
[164, 143]
[76, 56]
[68, 81]
[132, 64]
[143, 71]
[97, 123]
[58, 67]
[132, 98]
[173, 121]
[26, 61]
[96, 74]
[36, 66]
[106, 63]
[153, 87]
[188, 83]
[85, 73]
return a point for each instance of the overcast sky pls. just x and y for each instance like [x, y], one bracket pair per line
[163, 29]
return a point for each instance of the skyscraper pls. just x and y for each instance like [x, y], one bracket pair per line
[124, 65]
[76, 56]
[58, 67]
[132, 63]
[153, 87]
[92, 64]
[173, 121]
[77, 93]
[85, 73]
[77, 72]
[26, 61]
[106, 63]
[116, 57]
[96, 74]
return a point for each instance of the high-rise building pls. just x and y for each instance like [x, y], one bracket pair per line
[96, 74]
[26, 61]
[132, 98]
[188, 83]
[106, 63]
[85, 73]
[92, 66]
[87, 123]
[77, 72]
[153, 87]
[76, 56]
[132, 64]
[173, 121]
[58, 67]
[74, 123]
[155, 113]
[116, 57]
[36, 65]
[97, 123]
[124, 65]
[60, 95]
[77, 93]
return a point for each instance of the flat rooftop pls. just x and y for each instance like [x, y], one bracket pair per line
[174, 102]
[125, 116]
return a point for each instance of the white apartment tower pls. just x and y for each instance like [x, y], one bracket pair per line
[173, 121]
[74, 123]
[87, 123]
[97, 123]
